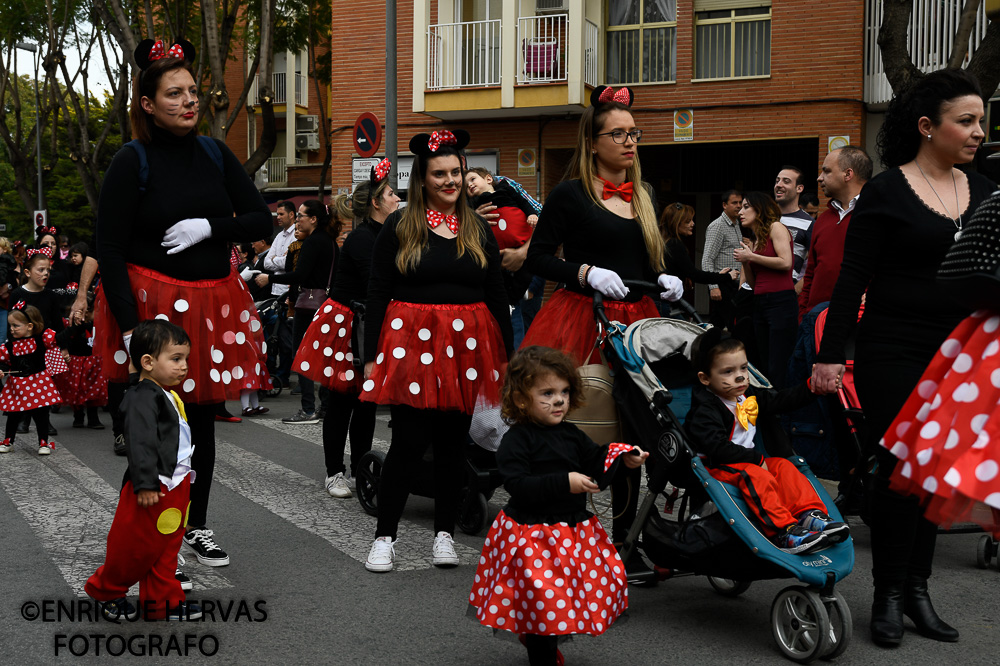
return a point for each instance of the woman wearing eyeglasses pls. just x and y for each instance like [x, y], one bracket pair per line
[603, 218]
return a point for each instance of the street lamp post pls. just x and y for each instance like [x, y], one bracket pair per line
[32, 47]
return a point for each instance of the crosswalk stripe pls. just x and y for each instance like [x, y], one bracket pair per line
[70, 508]
[303, 502]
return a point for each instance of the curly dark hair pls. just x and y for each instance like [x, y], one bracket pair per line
[525, 368]
[899, 139]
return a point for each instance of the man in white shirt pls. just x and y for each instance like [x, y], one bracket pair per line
[721, 238]
[275, 262]
[788, 185]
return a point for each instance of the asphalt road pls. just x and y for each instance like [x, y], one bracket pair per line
[297, 592]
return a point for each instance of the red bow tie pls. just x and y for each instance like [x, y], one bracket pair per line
[435, 218]
[624, 191]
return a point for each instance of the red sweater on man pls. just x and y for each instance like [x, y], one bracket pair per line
[826, 253]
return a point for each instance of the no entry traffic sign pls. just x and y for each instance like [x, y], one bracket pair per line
[367, 134]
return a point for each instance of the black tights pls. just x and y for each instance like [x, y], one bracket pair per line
[201, 418]
[347, 413]
[542, 650]
[116, 392]
[41, 416]
[413, 430]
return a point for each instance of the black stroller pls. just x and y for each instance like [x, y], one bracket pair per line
[271, 309]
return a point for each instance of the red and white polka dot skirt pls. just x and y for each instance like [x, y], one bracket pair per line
[227, 343]
[325, 355]
[549, 580]
[445, 357]
[21, 394]
[947, 436]
[84, 384]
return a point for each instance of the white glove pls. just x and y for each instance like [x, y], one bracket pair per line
[607, 282]
[248, 274]
[186, 233]
[127, 339]
[672, 286]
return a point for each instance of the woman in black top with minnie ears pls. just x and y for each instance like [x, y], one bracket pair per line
[171, 204]
[437, 350]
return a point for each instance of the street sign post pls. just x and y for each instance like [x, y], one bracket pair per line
[367, 134]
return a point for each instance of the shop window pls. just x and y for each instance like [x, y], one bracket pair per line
[732, 39]
[642, 46]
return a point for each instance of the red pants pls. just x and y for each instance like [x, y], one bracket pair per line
[142, 547]
[777, 495]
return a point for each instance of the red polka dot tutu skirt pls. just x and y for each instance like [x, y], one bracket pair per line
[549, 580]
[325, 355]
[84, 384]
[55, 364]
[21, 394]
[444, 357]
[947, 436]
[227, 345]
[566, 322]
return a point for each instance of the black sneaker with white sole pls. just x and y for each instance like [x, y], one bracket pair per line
[185, 611]
[119, 609]
[181, 577]
[201, 543]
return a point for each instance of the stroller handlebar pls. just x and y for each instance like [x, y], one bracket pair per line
[645, 287]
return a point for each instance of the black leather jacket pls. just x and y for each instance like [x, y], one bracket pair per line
[152, 435]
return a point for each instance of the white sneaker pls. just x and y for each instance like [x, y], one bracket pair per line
[381, 555]
[337, 486]
[6, 445]
[444, 554]
[351, 483]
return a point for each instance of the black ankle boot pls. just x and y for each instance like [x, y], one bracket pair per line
[917, 606]
[77, 418]
[887, 615]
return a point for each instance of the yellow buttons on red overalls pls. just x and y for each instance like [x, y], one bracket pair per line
[169, 521]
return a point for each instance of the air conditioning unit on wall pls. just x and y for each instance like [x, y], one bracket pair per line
[307, 141]
[551, 6]
[307, 123]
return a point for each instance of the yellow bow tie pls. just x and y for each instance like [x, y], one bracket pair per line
[180, 405]
[746, 412]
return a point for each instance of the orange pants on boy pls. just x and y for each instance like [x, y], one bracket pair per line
[777, 495]
[142, 548]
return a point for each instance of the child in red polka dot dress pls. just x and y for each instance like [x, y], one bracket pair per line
[548, 568]
[84, 387]
[29, 390]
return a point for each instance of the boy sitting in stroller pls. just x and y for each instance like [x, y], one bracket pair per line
[722, 424]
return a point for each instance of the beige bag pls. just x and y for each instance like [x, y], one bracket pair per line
[598, 417]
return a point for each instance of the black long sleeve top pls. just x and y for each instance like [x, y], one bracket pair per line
[589, 234]
[355, 264]
[894, 247]
[441, 278]
[49, 303]
[683, 267]
[183, 182]
[312, 271]
[76, 339]
[535, 462]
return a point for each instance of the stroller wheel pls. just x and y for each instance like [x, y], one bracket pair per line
[474, 512]
[275, 389]
[800, 624]
[984, 551]
[841, 626]
[368, 476]
[728, 587]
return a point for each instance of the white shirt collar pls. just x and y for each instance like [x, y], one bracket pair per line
[843, 212]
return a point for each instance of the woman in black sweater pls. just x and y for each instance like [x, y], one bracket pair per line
[328, 350]
[903, 225]
[313, 274]
[171, 204]
[676, 224]
[437, 350]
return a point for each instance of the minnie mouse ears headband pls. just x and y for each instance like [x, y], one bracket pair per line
[45, 249]
[379, 172]
[428, 144]
[20, 305]
[607, 94]
[46, 231]
[148, 51]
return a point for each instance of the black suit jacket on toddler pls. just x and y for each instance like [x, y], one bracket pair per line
[710, 424]
[152, 435]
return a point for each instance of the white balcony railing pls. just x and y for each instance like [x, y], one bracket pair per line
[280, 86]
[591, 54]
[463, 55]
[930, 40]
[275, 171]
[542, 57]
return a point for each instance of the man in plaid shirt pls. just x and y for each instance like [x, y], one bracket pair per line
[721, 238]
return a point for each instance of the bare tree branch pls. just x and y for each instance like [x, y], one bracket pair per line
[966, 24]
[899, 68]
[985, 63]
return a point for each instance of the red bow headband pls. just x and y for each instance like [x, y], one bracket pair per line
[147, 52]
[380, 170]
[175, 51]
[18, 244]
[442, 138]
[46, 250]
[607, 95]
[20, 305]
[52, 231]
[429, 144]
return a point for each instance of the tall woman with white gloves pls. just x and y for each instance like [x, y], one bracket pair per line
[171, 204]
[603, 218]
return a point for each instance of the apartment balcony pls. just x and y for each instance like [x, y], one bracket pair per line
[507, 67]
[282, 92]
[275, 172]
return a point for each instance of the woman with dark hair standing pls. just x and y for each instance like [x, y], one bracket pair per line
[327, 354]
[171, 204]
[676, 224]
[436, 351]
[902, 227]
[313, 274]
[767, 268]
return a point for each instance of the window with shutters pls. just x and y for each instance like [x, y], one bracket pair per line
[732, 39]
[642, 46]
